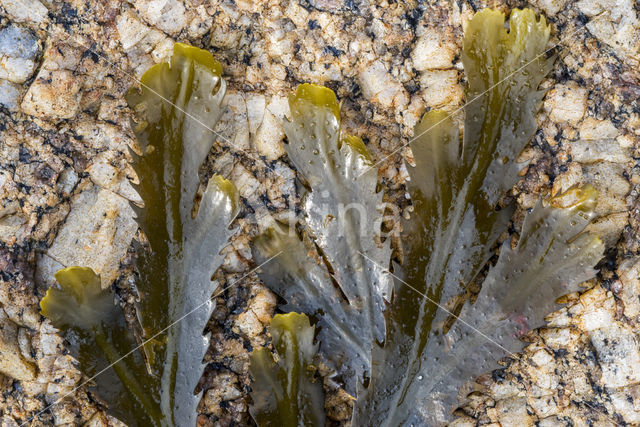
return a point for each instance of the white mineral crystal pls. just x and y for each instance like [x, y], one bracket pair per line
[9, 95]
[18, 50]
[389, 62]
[25, 10]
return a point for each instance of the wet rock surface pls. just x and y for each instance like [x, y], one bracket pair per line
[66, 180]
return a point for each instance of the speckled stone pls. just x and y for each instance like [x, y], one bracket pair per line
[64, 161]
[28, 11]
[19, 48]
[12, 362]
[9, 95]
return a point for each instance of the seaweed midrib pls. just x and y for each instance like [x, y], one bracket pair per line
[176, 200]
[442, 251]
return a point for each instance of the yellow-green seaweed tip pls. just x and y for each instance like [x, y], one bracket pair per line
[290, 322]
[523, 24]
[228, 188]
[358, 146]
[316, 95]
[75, 280]
[183, 51]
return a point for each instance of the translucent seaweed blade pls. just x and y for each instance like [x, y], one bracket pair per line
[552, 257]
[303, 281]
[342, 219]
[79, 289]
[342, 208]
[190, 303]
[454, 189]
[177, 106]
[97, 331]
[285, 392]
[504, 70]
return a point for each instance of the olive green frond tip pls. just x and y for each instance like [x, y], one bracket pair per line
[82, 306]
[79, 302]
[455, 187]
[200, 56]
[358, 146]
[433, 118]
[315, 95]
[285, 392]
[523, 22]
[524, 41]
[333, 166]
[295, 324]
[182, 52]
[179, 103]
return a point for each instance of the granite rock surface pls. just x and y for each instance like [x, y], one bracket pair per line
[66, 182]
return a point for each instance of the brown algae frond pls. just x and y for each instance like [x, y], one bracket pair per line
[179, 101]
[285, 390]
[313, 96]
[176, 105]
[455, 187]
[81, 306]
[341, 220]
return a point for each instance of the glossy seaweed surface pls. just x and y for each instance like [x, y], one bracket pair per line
[455, 187]
[387, 341]
[178, 104]
[340, 287]
[286, 391]
[419, 385]
[99, 338]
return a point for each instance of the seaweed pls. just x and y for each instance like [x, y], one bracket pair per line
[176, 106]
[285, 391]
[392, 341]
[185, 240]
[455, 188]
[553, 255]
[339, 287]
[99, 337]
